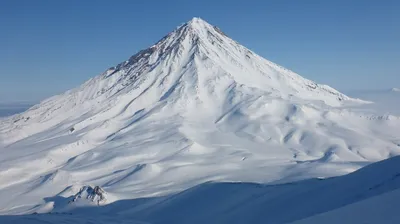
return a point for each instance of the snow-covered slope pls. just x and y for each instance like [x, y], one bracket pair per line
[66, 218]
[255, 203]
[195, 107]
[369, 195]
[381, 209]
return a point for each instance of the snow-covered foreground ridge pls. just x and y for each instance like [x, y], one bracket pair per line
[195, 107]
[369, 195]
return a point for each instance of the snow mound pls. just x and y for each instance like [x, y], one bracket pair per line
[90, 194]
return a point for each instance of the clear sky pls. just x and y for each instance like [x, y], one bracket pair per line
[48, 46]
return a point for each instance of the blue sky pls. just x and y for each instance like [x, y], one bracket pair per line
[47, 46]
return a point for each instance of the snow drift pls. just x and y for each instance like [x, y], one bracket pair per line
[368, 195]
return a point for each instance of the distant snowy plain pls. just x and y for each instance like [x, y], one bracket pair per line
[9, 109]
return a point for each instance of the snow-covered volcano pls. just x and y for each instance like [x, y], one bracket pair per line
[196, 106]
[194, 67]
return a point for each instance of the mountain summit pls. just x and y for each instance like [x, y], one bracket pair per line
[195, 107]
[198, 56]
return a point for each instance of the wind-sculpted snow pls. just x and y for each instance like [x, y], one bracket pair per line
[346, 199]
[195, 107]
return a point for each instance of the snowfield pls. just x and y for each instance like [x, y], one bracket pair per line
[195, 129]
[369, 195]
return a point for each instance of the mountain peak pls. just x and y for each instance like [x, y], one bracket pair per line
[195, 20]
[200, 26]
